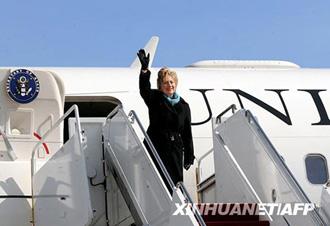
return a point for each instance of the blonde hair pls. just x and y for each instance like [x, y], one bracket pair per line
[162, 73]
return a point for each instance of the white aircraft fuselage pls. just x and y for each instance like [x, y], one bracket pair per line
[291, 104]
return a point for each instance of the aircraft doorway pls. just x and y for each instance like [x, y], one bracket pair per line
[89, 106]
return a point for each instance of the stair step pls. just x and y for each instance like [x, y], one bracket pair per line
[238, 223]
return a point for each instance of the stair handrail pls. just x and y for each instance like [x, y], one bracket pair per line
[132, 114]
[241, 172]
[73, 108]
[199, 162]
[114, 111]
[188, 200]
[287, 172]
[9, 148]
[231, 107]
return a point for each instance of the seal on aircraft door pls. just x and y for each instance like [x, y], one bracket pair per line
[22, 86]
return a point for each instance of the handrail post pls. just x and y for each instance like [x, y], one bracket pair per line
[231, 107]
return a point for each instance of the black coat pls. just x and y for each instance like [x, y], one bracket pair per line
[169, 128]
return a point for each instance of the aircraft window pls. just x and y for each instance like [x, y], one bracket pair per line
[316, 168]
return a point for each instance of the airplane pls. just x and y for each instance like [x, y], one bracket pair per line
[290, 104]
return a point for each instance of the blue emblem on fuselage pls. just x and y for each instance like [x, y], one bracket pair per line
[22, 86]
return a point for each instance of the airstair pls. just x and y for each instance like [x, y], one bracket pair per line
[248, 169]
[150, 202]
[45, 182]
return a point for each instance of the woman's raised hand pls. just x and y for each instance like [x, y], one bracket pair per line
[144, 59]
